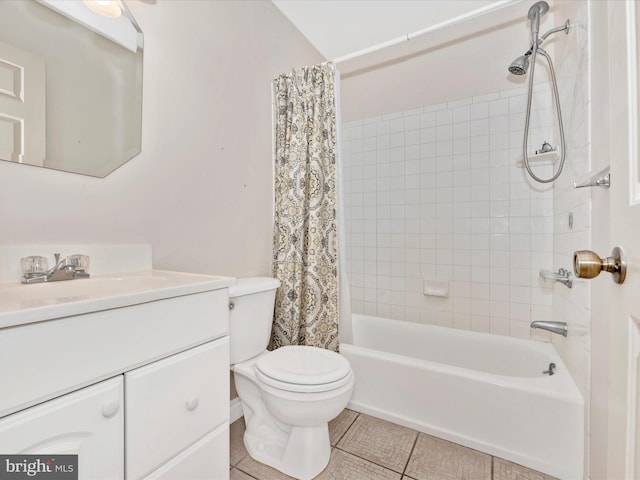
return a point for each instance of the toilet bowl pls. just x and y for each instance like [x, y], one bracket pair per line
[288, 395]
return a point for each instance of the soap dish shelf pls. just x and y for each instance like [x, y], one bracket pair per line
[546, 158]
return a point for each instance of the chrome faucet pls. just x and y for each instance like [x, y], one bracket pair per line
[69, 268]
[563, 276]
[554, 327]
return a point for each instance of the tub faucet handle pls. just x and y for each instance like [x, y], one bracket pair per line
[551, 370]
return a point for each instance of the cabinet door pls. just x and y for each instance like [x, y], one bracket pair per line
[88, 422]
[208, 459]
[173, 403]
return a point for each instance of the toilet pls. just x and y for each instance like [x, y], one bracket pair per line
[288, 395]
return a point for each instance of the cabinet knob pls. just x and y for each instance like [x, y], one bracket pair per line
[192, 404]
[110, 408]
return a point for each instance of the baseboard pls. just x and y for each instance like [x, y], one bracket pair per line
[235, 410]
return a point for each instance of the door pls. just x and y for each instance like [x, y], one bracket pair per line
[624, 369]
[22, 106]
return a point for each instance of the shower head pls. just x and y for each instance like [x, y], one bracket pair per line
[520, 65]
[537, 10]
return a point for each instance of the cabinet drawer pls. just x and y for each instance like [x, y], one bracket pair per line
[88, 423]
[66, 354]
[173, 403]
[208, 459]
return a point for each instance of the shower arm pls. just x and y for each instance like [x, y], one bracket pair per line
[564, 28]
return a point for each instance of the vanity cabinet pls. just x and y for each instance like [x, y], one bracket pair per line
[137, 391]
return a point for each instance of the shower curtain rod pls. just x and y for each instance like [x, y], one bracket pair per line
[478, 12]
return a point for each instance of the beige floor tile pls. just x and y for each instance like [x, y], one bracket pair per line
[436, 459]
[504, 470]
[339, 425]
[259, 470]
[236, 447]
[236, 474]
[344, 466]
[385, 444]
[379, 441]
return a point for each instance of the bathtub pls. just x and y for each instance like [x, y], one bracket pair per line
[486, 392]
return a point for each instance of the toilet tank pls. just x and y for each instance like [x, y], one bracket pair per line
[251, 317]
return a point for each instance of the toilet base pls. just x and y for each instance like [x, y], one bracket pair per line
[303, 455]
[288, 430]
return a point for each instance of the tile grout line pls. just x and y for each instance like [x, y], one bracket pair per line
[347, 429]
[368, 461]
[247, 474]
[375, 463]
[493, 461]
[231, 465]
[413, 447]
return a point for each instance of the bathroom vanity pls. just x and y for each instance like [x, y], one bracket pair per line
[129, 371]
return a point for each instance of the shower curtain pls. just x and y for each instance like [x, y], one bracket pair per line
[305, 242]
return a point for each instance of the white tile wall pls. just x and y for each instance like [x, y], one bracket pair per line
[574, 306]
[436, 194]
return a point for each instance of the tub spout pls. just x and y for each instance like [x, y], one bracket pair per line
[555, 327]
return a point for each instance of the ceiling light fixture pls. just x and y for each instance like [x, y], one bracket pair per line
[106, 8]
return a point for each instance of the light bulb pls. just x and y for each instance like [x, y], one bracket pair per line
[106, 8]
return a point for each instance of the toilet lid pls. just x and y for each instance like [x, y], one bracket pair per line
[308, 367]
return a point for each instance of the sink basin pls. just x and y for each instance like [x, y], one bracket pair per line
[20, 303]
[126, 283]
[48, 293]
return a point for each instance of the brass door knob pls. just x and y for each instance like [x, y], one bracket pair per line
[587, 264]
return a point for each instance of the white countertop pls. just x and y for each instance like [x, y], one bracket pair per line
[21, 304]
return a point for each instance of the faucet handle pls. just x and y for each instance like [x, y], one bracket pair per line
[34, 265]
[80, 261]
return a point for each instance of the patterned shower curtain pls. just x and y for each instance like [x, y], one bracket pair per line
[305, 244]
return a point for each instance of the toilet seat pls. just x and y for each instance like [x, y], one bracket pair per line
[298, 368]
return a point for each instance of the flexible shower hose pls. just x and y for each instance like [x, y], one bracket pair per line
[535, 50]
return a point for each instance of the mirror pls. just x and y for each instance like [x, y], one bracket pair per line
[70, 97]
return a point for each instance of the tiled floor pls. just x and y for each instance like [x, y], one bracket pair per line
[367, 448]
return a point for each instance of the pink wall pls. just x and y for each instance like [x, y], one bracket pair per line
[200, 192]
